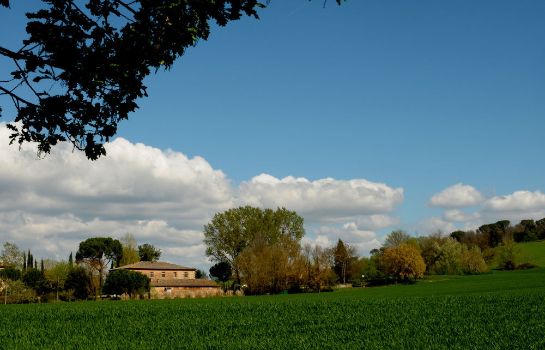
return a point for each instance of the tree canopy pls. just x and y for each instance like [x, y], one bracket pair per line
[130, 251]
[343, 255]
[221, 271]
[127, 282]
[148, 252]
[98, 253]
[81, 69]
[11, 255]
[404, 262]
[231, 232]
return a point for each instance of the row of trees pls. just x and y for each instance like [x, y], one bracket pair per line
[22, 281]
[260, 250]
[492, 235]
[406, 258]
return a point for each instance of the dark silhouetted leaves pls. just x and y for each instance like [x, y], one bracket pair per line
[85, 65]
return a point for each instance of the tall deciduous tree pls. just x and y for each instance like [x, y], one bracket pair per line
[57, 276]
[232, 231]
[343, 255]
[449, 258]
[12, 255]
[83, 63]
[396, 238]
[98, 253]
[130, 250]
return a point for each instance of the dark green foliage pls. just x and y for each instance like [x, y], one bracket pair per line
[71, 259]
[30, 260]
[100, 248]
[148, 252]
[200, 274]
[128, 282]
[495, 232]
[98, 253]
[458, 235]
[221, 271]
[79, 282]
[540, 227]
[11, 273]
[36, 280]
[527, 231]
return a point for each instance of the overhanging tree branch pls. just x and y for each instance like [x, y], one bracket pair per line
[100, 56]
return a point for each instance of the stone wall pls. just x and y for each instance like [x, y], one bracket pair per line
[170, 274]
[184, 292]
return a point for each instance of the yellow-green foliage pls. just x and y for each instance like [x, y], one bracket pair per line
[404, 261]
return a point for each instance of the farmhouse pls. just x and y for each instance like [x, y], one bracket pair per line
[172, 281]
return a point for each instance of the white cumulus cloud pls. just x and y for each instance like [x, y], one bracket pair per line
[456, 215]
[322, 200]
[457, 196]
[163, 197]
[517, 201]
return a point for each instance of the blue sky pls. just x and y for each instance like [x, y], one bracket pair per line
[415, 94]
[418, 95]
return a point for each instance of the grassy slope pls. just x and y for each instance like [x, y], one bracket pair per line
[533, 252]
[501, 310]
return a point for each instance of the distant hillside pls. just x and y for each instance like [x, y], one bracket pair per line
[533, 252]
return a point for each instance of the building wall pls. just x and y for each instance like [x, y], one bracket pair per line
[184, 292]
[158, 274]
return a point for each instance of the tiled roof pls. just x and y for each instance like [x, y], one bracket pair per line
[155, 265]
[173, 282]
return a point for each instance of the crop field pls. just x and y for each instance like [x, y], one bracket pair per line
[501, 310]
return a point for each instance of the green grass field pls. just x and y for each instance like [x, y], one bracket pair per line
[533, 252]
[500, 310]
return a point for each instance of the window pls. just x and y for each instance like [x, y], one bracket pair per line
[151, 274]
[186, 274]
[162, 273]
[175, 274]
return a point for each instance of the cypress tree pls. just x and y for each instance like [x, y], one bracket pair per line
[42, 265]
[29, 260]
[71, 260]
[24, 261]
